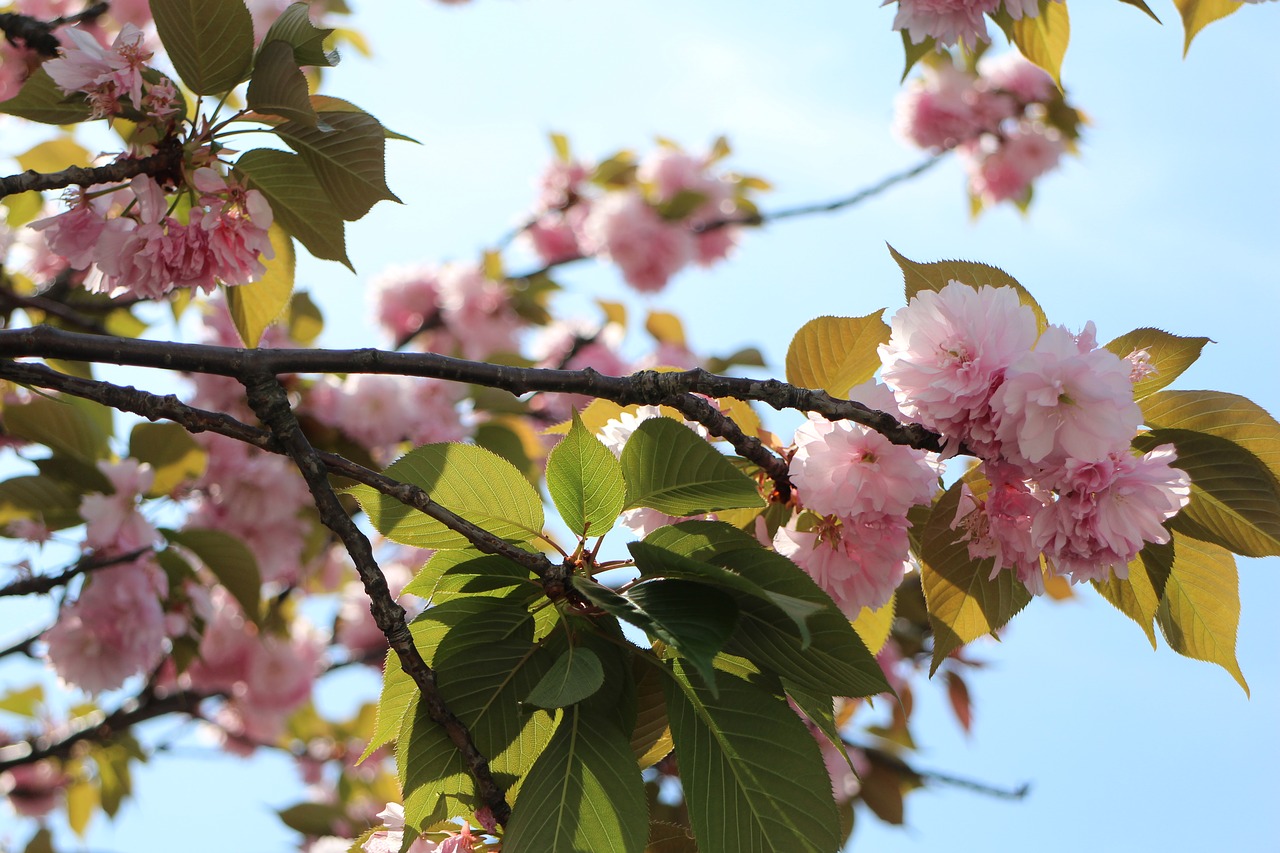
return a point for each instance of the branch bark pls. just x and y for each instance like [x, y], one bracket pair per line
[269, 401]
[165, 164]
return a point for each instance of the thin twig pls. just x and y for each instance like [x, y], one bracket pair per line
[43, 583]
[38, 35]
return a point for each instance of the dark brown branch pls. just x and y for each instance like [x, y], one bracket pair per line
[165, 165]
[22, 647]
[893, 762]
[38, 35]
[43, 583]
[146, 707]
[155, 407]
[269, 401]
[646, 387]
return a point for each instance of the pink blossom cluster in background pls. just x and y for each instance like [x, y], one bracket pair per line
[1006, 120]
[949, 22]
[1051, 416]
[454, 309]
[648, 218]
[146, 252]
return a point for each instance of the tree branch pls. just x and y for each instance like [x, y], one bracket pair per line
[38, 35]
[155, 407]
[645, 388]
[44, 583]
[269, 401]
[749, 447]
[165, 164]
[103, 727]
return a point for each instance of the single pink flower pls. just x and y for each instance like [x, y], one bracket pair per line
[945, 21]
[623, 228]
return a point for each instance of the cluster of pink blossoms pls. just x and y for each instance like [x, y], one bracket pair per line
[948, 22]
[1052, 418]
[117, 627]
[147, 252]
[649, 227]
[382, 411]
[108, 76]
[996, 120]
[860, 486]
[451, 309]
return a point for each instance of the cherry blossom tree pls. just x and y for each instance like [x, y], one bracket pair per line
[697, 682]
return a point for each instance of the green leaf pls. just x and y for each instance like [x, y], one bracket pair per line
[938, 275]
[41, 499]
[964, 601]
[1198, 14]
[651, 736]
[574, 676]
[585, 482]
[470, 481]
[278, 87]
[60, 425]
[1170, 356]
[1228, 416]
[230, 560]
[257, 305]
[485, 664]
[294, 28]
[831, 658]
[305, 320]
[348, 159]
[1138, 596]
[583, 793]
[41, 100]
[398, 689]
[692, 618]
[172, 453]
[1143, 6]
[655, 562]
[449, 574]
[669, 468]
[297, 201]
[41, 842]
[1200, 612]
[753, 778]
[1235, 499]
[836, 353]
[312, 819]
[1043, 38]
[210, 42]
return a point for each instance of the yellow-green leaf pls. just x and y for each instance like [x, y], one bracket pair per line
[1200, 611]
[171, 452]
[56, 154]
[873, 626]
[1043, 39]
[836, 353]
[938, 275]
[257, 305]
[964, 602]
[665, 327]
[1228, 416]
[1198, 14]
[1169, 354]
[1138, 596]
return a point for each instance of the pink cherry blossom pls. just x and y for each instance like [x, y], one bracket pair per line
[1019, 9]
[945, 21]
[282, 670]
[846, 469]
[113, 522]
[33, 790]
[1089, 535]
[381, 411]
[947, 354]
[859, 563]
[554, 237]
[477, 311]
[1066, 400]
[936, 109]
[74, 234]
[1011, 73]
[999, 525]
[1003, 169]
[405, 299]
[114, 630]
[560, 184]
[226, 645]
[105, 74]
[623, 228]
[391, 839]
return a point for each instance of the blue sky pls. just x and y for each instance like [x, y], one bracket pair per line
[1168, 218]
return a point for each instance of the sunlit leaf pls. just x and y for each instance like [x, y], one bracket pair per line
[669, 468]
[257, 305]
[936, 276]
[298, 202]
[174, 456]
[1043, 38]
[585, 482]
[1200, 612]
[1198, 14]
[1170, 356]
[836, 353]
